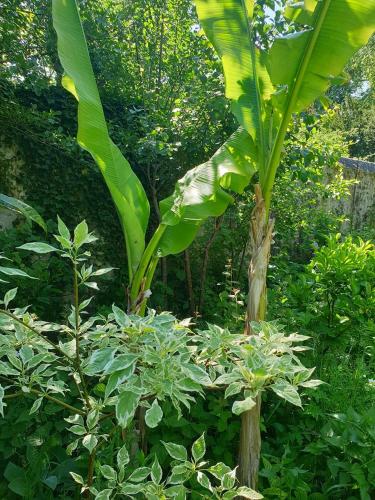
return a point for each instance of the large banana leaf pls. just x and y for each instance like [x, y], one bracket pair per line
[303, 64]
[126, 190]
[335, 30]
[204, 191]
[228, 25]
[300, 65]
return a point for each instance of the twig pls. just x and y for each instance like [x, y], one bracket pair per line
[34, 330]
[78, 360]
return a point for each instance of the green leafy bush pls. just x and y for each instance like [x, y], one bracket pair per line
[344, 277]
[106, 378]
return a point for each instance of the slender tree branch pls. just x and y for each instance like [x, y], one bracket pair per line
[58, 401]
[34, 330]
[41, 394]
[77, 333]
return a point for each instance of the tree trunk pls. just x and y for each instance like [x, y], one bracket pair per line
[261, 228]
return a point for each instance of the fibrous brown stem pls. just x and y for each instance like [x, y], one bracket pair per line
[261, 228]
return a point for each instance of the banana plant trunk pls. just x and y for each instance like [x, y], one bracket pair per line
[261, 228]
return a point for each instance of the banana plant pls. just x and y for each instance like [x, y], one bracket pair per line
[203, 192]
[265, 89]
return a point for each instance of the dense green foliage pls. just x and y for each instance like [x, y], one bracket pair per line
[104, 370]
[162, 91]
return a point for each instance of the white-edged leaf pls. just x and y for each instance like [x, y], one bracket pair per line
[105, 270]
[22, 208]
[99, 360]
[38, 247]
[176, 451]
[246, 492]
[77, 478]
[198, 449]
[120, 362]
[139, 474]
[104, 494]
[80, 234]
[36, 405]
[90, 441]
[122, 319]
[244, 405]
[63, 230]
[122, 457]
[156, 471]
[108, 472]
[117, 379]
[12, 271]
[287, 391]
[153, 415]
[204, 481]
[9, 296]
[126, 406]
[2, 404]
[312, 383]
[197, 374]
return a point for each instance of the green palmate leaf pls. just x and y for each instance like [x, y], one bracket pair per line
[203, 192]
[126, 190]
[153, 415]
[22, 208]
